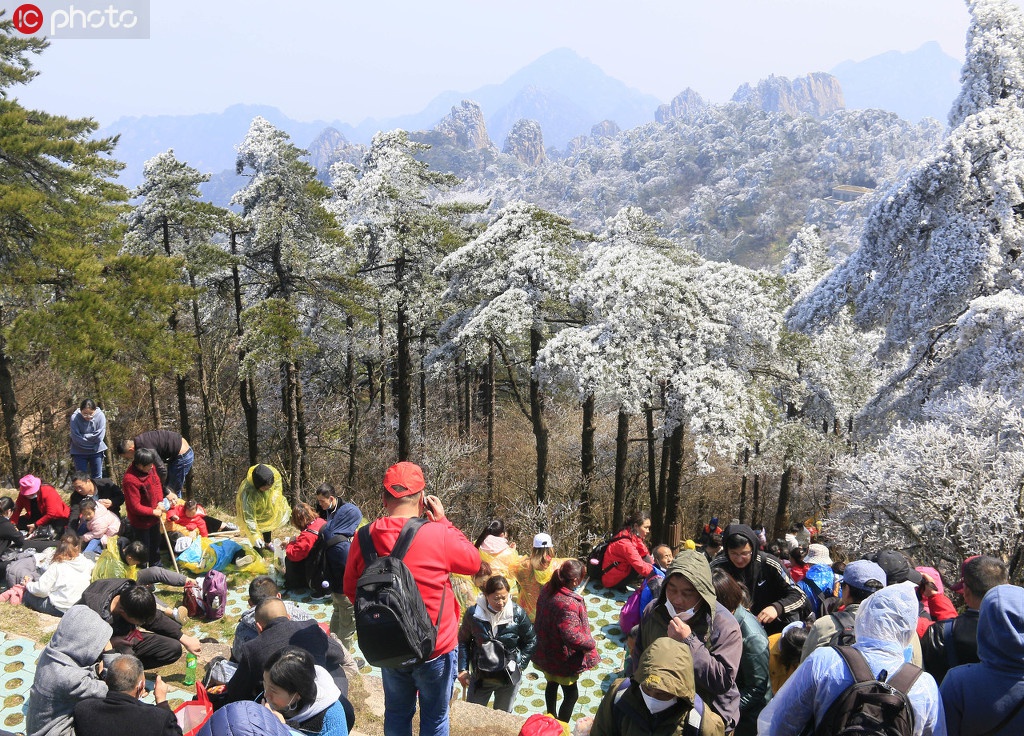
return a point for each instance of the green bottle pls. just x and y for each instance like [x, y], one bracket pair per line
[190, 669]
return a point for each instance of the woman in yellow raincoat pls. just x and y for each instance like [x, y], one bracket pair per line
[533, 572]
[260, 504]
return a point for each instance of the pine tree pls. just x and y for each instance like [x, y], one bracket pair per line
[68, 293]
[294, 255]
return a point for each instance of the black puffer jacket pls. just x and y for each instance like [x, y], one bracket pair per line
[518, 637]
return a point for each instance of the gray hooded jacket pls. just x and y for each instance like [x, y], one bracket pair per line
[66, 674]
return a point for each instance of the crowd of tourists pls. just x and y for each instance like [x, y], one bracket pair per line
[725, 635]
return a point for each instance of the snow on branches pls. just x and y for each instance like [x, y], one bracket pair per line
[944, 487]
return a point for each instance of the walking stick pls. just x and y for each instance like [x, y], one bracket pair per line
[170, 547]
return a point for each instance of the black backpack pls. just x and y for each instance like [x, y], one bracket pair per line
[846, 634]
[595, 560]
[870, 706]
[318, 573]
[392, 623]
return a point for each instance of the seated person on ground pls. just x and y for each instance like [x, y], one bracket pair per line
[99, 523]
[297, 550]
[103, 490]
[64, 581]
[128, 606]
[303, 694]
[122, 710]
[261, 588]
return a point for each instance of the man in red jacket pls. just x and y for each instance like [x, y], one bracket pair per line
[437, 550]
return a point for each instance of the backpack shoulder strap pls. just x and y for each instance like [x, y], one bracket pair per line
[366, 546]
[857, 664]
[405, 536]
[947, 641]
[337, 539]
[905, 677]
[845, 619]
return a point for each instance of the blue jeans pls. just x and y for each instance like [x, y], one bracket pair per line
[91, 464]
[93, 546]
[433, 680]
[177, 469]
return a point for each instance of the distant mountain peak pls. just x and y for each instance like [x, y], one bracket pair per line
[818, 94]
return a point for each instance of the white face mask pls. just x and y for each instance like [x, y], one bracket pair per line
[683, 615]
[654, 705]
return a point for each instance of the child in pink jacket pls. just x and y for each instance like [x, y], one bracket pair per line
[102, 523]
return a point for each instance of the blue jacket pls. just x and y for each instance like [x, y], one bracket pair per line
[346, 521]
[977, 697]
[244, 718]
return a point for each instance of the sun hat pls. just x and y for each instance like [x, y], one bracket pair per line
[28, 486]
[817, 554]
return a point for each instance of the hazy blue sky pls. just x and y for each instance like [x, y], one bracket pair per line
[349, 60]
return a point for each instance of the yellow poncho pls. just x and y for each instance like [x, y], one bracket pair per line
[261, 511]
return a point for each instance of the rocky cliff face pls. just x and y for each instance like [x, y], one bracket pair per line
[605, 129]
[817, 94]
[526, 142]
[465, 127]
[684, 105]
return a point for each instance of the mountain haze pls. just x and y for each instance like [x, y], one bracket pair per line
[914, 85]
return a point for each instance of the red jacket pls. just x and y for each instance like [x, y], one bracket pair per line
[437, 550]
[51, 507]
[299, 548]
[626, 549]
[142, 493]
[565, 646]
[192, 523]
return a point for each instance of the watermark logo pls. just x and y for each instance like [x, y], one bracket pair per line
[56, 19]
[28, 18]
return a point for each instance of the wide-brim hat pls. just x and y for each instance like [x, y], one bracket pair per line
[29, 485]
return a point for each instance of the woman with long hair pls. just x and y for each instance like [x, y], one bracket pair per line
[627, 559]
[64, 581]
[565, 646]
[498, 552]
[496, 642]
[309, 524]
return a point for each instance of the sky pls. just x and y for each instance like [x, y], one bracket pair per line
[342, 60]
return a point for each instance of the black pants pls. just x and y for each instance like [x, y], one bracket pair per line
[154, 650]
[150, 539]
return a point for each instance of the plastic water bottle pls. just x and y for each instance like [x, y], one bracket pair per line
[190, 669]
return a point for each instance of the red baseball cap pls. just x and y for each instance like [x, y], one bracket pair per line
[404, 479]
[958, 586]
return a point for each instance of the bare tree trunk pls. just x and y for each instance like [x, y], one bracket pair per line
[300, 424]
[246, 385]
[212, 451]
[9, 404]
[292, 416]
[782, 510]
[657, 526]
[154, 405]
[587, 464]
[423, 387]
[743, 486]
[621, 456]
[675, 476]
[540, 426]
[458, 400]
[467, 400]
[490, 429]
[350, 399]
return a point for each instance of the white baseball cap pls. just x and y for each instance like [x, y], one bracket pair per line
[542, 540]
